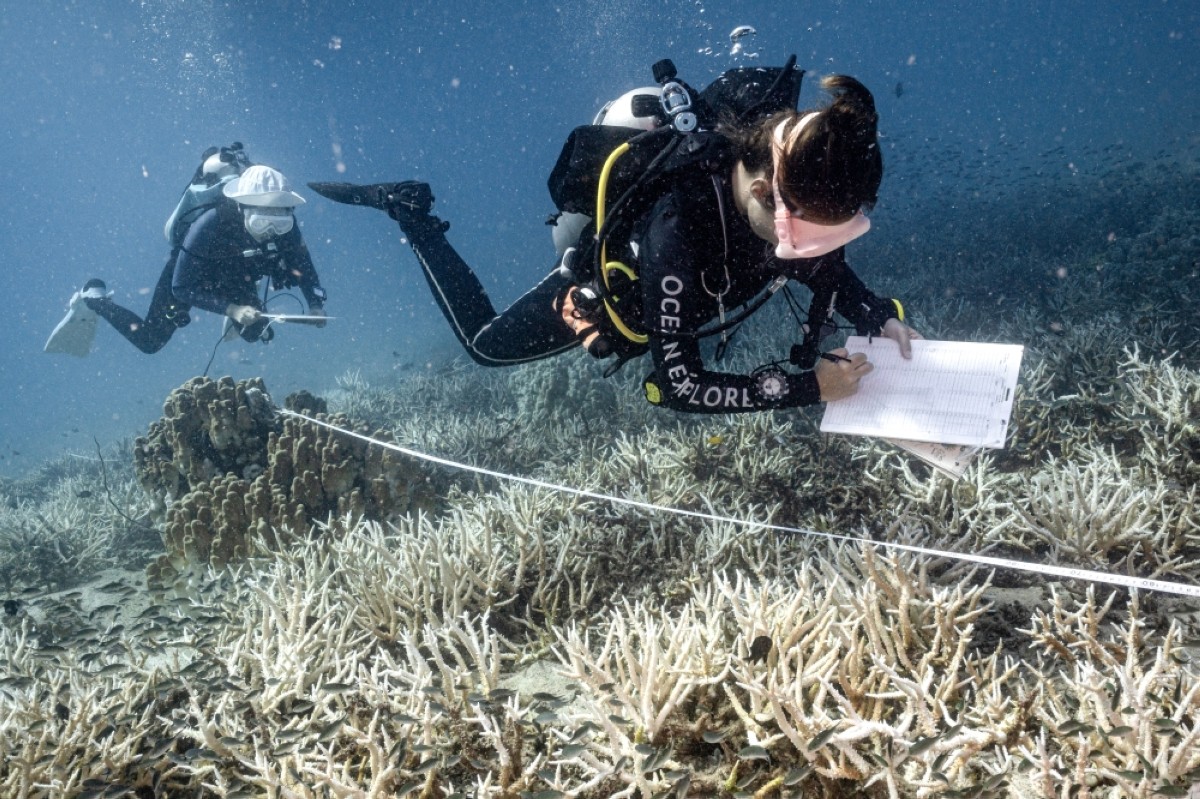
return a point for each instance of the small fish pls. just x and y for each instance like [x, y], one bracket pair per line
[329, 731]
[760, 647]
[821, 739]
[899, 90]
[753, 753]
[715, 440]
[655, 760]
[84, 494]
[921, 744]
[426, 766]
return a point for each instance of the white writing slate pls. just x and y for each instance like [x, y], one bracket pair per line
[951, 392]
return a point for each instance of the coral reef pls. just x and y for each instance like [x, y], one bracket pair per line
[75, 516]
[523, 643]
[236, 480]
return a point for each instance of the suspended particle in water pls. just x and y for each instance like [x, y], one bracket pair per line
[739, 38]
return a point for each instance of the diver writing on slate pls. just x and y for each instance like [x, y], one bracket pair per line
[680, 214]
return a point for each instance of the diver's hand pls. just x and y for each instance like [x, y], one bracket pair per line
[839, 378]
[244, 315]
[317, 311]
[902, 334]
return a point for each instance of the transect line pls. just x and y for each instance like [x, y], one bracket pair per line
[1145, 583]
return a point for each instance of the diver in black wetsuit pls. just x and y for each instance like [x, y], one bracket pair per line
[798, 181]
[240, 229]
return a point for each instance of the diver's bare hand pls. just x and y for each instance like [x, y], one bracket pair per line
[244, 315]
[839, 378]
[902, 334]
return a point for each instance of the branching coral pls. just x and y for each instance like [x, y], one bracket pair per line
[333, 654]
[1128, 716]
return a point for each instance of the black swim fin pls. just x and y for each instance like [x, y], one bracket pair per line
[413, 195]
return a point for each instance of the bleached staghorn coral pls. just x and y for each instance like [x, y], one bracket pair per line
[1126, 716]
[78, 520]
[640, 675]
[1097, 513]
[860, 671]
[627, 553]
[869, 677]
[1164, 409]
[955, 513]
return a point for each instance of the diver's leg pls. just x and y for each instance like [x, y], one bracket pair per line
[165, 315]
[529, 330]
[456, 289]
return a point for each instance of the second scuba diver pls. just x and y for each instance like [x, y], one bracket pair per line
[752, 196]
[233, 226]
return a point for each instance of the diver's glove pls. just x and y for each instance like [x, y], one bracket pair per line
[408, 202]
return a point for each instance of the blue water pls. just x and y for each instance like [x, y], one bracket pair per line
[107, 106]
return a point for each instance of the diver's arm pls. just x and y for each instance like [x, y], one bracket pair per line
[300, 265]
[830, 273]
[870, 314]
[673, 301]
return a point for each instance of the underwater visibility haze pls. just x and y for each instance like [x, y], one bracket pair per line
[107, 109]
[202, 596]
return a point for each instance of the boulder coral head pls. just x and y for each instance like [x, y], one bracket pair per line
[233, 478]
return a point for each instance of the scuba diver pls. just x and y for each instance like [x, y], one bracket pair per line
[726, 196]
[233, 226]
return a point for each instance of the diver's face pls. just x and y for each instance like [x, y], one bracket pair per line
[262, 222]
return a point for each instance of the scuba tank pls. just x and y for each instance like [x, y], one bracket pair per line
[611, 171]
[218, 165]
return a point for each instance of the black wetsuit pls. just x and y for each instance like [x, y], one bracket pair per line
[217, 265]
[695, 252]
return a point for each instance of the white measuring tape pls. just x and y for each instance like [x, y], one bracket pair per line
[1067, 572]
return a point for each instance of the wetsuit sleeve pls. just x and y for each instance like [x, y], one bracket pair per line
[867, 311]
[197, 279]
[299, 263]
[674, 300]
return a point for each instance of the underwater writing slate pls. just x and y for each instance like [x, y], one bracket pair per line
[951, 392]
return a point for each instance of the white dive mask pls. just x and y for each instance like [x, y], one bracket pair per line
[262, 221]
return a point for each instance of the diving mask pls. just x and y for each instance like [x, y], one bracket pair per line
[263, 221]
[798, 238]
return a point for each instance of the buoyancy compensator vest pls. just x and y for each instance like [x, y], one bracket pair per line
[218, 165]
[607, 175]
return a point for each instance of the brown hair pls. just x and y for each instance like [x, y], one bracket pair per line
[835, 166]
